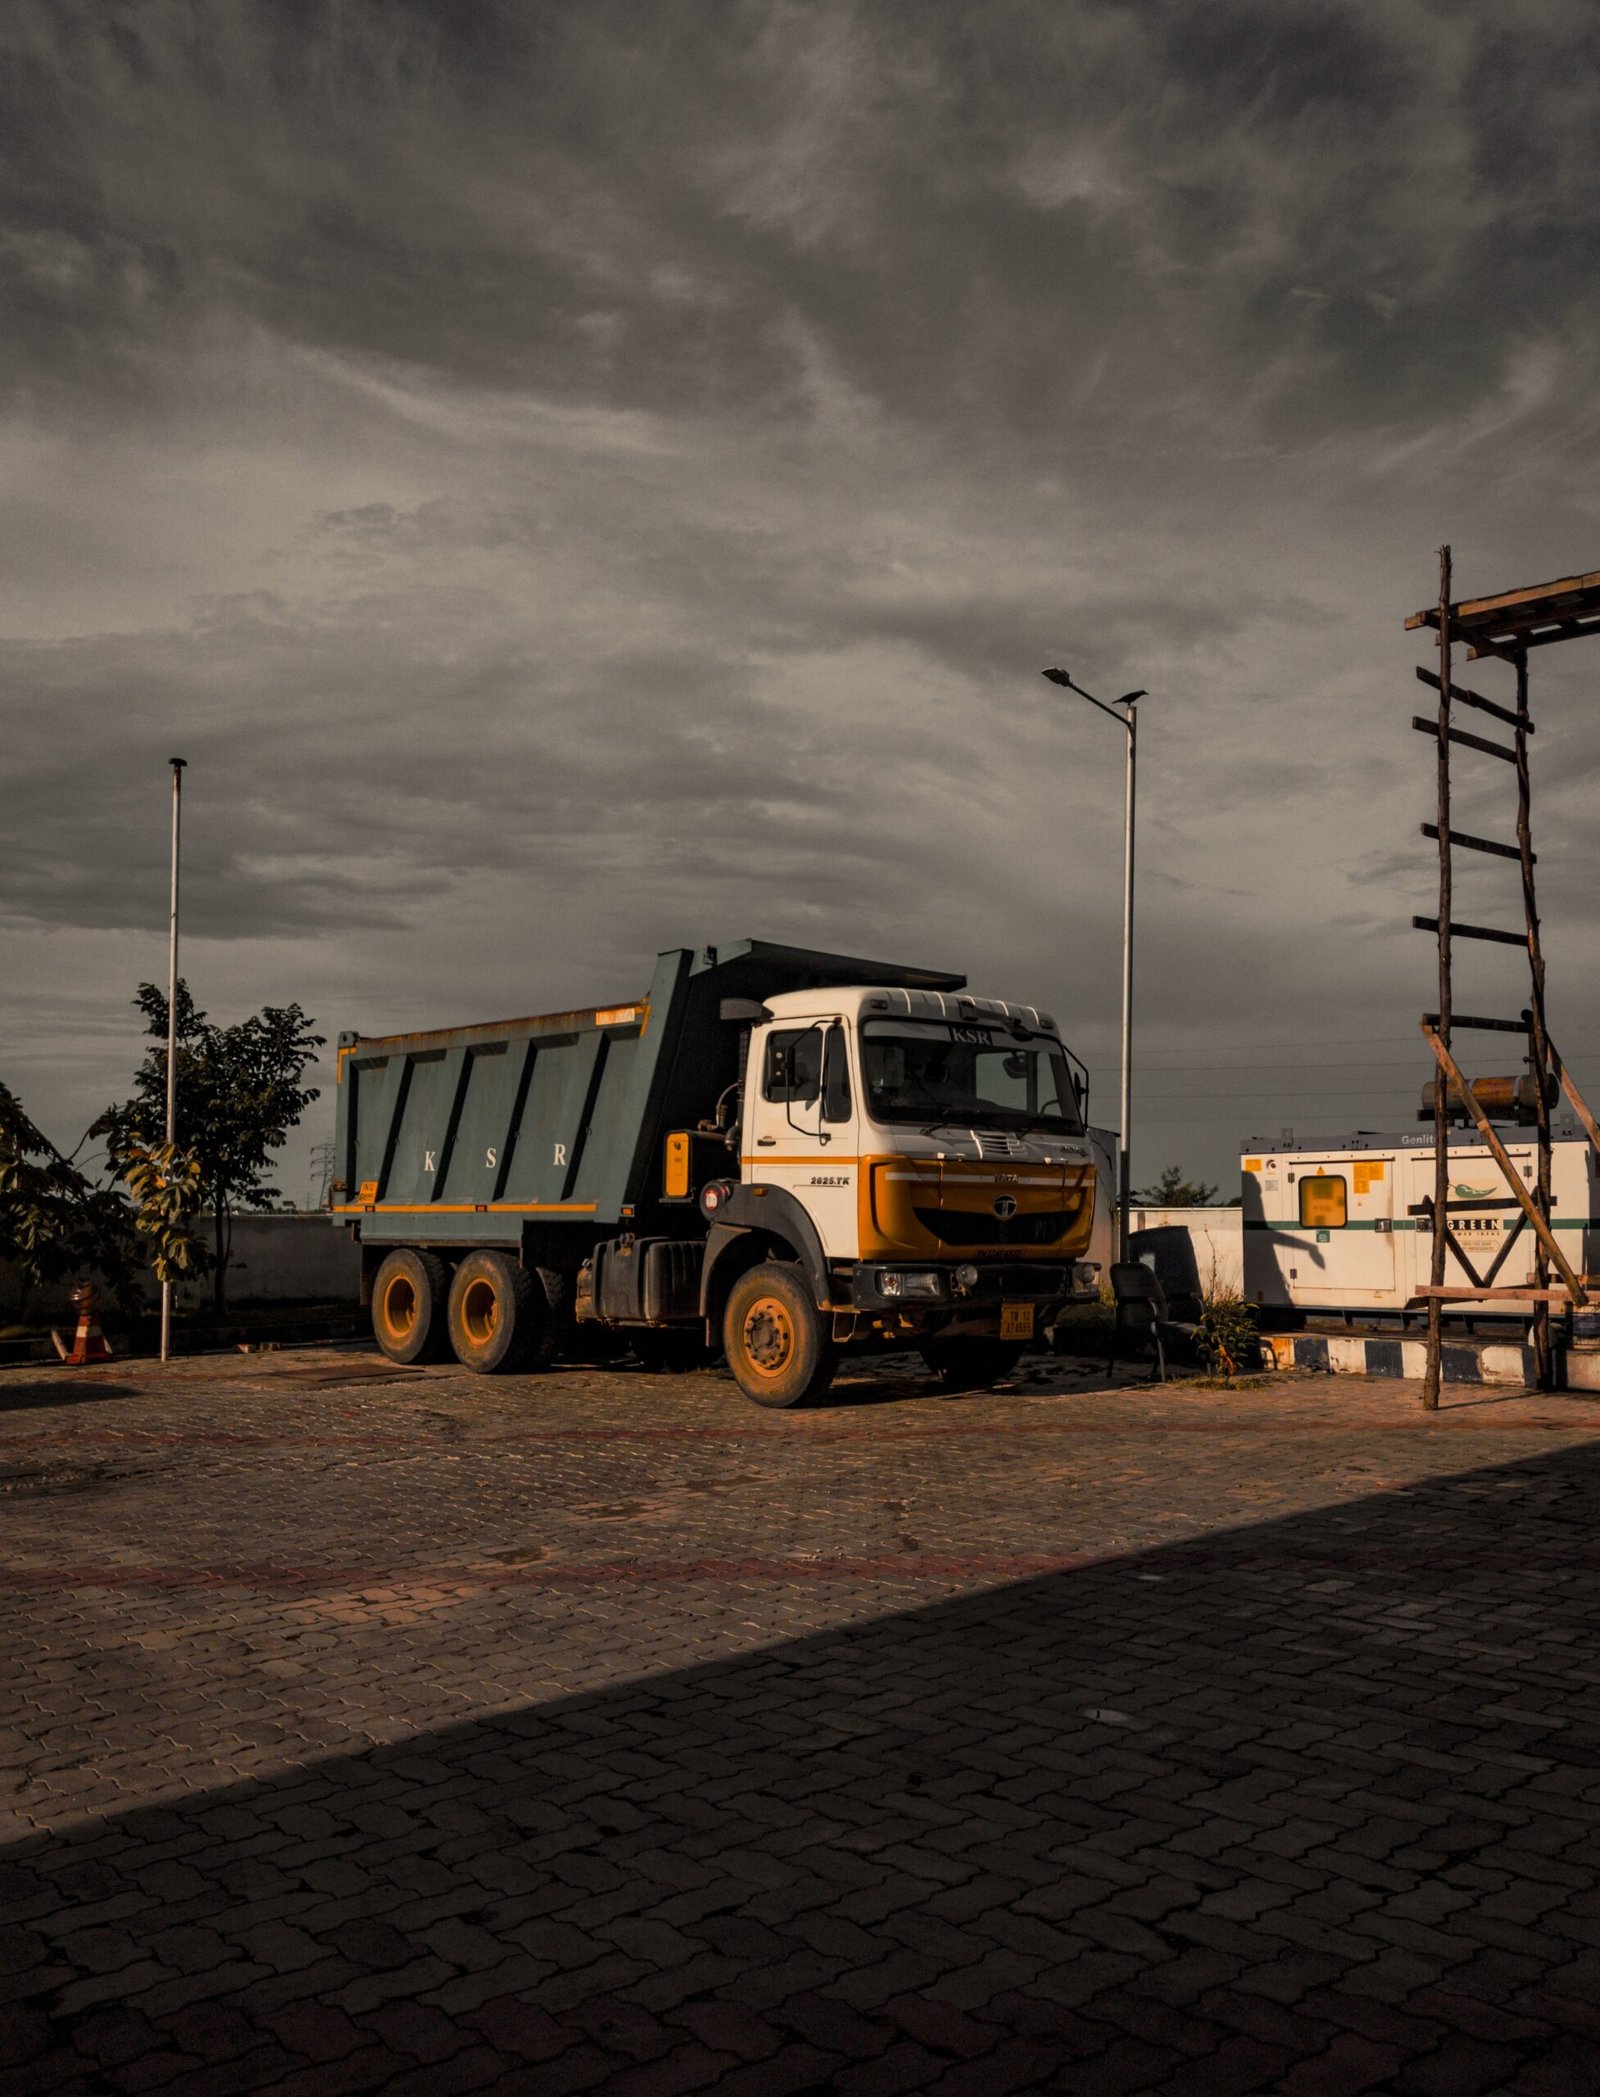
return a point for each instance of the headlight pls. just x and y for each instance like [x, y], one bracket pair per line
[921, 1282]
[966, 1276]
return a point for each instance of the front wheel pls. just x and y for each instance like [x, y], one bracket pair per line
[972, 1364]
[777, 1344]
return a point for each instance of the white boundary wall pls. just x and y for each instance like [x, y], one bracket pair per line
[1216, 1234]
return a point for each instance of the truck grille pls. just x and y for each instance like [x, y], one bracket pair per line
[974, 1227]
[996, 1144]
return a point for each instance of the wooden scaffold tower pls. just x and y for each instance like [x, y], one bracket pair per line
[1502, 628]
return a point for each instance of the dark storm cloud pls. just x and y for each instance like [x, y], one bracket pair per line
[617, 471]
[969, 207]
[362, 769]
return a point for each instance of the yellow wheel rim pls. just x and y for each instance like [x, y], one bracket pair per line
[480, 1312]
[399, 1307]
[768, 1336]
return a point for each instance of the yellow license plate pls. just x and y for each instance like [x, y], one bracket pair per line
[1016, 1321]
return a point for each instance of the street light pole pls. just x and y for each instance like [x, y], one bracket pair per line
[1128, 722]
[177, 764]
[1125, 1160]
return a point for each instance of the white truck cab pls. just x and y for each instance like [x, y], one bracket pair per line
[927, 1150]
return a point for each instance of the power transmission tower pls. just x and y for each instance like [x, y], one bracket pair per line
[321, 1174]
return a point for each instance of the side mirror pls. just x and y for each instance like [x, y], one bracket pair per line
[748, 1010]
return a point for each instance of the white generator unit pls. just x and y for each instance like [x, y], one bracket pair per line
[1347, 1226]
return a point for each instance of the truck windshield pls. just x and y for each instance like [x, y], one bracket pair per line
[970, 1076]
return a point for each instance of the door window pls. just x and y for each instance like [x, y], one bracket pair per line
[835, 1078]
[804, 1064]
[794, 1064]
[1324, 1202]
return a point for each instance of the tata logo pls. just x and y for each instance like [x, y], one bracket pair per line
[1005, 1205]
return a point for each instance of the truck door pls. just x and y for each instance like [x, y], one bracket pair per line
[801, 1124]
[1341, 1231]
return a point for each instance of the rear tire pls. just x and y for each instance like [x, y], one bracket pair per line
[498, 1314]
[408, 1306]
[972, 1365]
[553, 1326]
[778, 1346]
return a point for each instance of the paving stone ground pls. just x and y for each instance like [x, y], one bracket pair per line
[367, 1729]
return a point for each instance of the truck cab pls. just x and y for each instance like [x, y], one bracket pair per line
[922, 1156]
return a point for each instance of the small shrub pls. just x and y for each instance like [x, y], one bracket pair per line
[1226, 1335]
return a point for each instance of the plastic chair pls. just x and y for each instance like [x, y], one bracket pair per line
[1142, 1308]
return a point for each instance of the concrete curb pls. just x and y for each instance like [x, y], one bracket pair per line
[1490, 1361]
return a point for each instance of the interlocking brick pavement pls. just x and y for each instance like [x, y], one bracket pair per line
[371, 1729]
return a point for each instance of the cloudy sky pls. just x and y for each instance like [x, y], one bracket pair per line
[580, 479]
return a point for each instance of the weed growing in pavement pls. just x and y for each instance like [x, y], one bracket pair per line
[1227, 1337]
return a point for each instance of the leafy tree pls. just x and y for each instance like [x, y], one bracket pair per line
[239, 1094]
[166, 1183]
[1173, 1191]
[53, 1220]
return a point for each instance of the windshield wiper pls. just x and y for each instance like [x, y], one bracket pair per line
[1021, 1120]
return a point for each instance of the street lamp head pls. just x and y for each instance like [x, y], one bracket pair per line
[1059, 677]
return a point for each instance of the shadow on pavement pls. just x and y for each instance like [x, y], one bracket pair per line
[1306, 1807]
[19, 1395]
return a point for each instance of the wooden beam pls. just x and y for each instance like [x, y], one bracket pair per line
[1460, 735]
[1495, 651]
[1481, 609]
[1447, 996]
[1574, 1097]
[1484, 1026]
[1567, 630]
[1460, 931]
[1513, 1179]
[1528, 597]
[1477, 844]
[1426, 1289]
[1484, 706]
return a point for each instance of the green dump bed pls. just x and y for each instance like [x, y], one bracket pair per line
[469, 1135]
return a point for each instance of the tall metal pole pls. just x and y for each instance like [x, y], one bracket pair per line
[177, 764]
[1128, 722]
[1125, 1154]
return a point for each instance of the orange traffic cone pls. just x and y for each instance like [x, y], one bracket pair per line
[90, 1343]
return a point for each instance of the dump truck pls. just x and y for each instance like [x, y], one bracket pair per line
[781, 1155]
